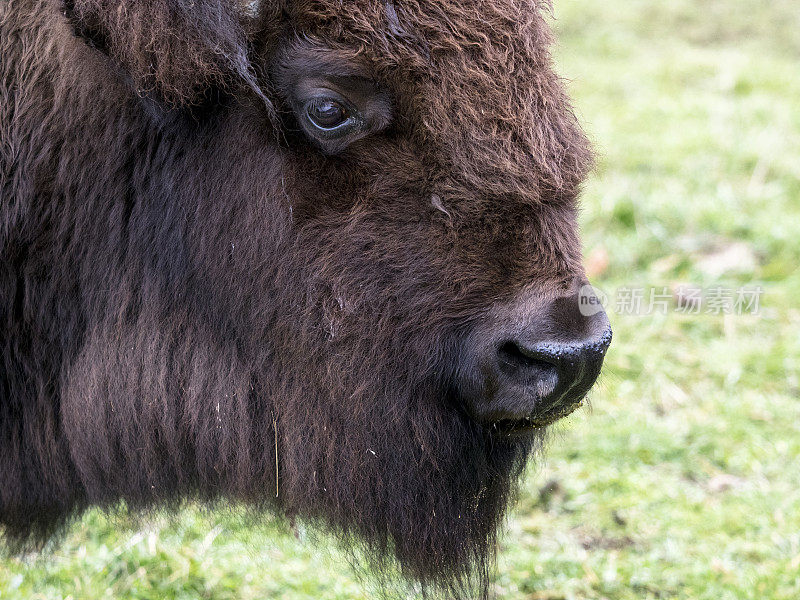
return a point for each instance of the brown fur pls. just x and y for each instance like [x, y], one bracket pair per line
[187, 282]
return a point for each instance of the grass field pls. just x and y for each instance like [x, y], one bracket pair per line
[683, 480]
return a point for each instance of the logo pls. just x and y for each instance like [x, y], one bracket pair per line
[591, 300]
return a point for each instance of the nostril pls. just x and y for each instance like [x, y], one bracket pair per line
[523, 365]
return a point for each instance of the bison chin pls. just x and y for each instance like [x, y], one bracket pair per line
[419, 490]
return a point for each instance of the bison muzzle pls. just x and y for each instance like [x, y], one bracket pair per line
[319, 257]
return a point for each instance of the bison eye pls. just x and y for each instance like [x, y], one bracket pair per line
[326, 114]
[331, 119]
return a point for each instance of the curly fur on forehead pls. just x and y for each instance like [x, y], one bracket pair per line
[483, 72]
[196, 303]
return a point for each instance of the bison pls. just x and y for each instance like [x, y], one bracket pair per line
[315, 257]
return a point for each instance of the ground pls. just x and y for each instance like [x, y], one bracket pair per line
[683, 480]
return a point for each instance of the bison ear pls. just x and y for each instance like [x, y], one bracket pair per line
[177, 49]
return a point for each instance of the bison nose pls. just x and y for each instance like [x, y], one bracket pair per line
[553, 371]
[539, 363]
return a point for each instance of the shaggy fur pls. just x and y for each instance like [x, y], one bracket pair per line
[195, 302]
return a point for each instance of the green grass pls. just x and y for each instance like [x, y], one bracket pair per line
[683, 481]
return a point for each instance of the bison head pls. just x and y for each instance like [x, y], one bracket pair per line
[320, 256]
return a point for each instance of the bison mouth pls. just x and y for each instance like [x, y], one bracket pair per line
[513, 427]
[529, 425]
